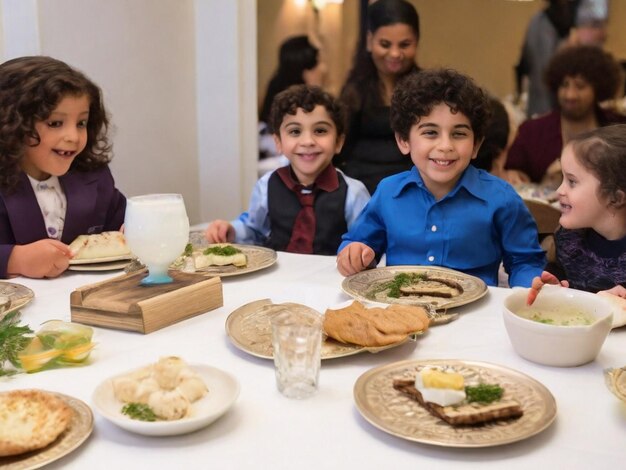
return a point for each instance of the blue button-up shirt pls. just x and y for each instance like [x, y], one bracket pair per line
[476, 226]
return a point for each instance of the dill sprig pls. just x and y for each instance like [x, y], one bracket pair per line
[226, 250]
[139, 411]
[13, 339]
[398, 281]
[483, 393]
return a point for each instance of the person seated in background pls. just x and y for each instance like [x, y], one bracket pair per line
[55, 182]
[306, 206]
[444, 212]
[581, 77]
[385, 54]
[298, 63]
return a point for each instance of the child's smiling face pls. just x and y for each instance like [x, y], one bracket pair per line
[578, 195]
[309, 141]
[441, 146]
[63, 135]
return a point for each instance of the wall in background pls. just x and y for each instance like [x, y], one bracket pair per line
[482, 38]
[179, 80]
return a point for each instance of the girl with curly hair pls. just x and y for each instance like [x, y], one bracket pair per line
[55, 183]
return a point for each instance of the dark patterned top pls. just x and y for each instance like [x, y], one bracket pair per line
[589, 261]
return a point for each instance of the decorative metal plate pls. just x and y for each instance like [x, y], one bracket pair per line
[366, 286]
[616, 381]
[13, 296]
[249, 329]
[258, 257]
[77, 432]
[392, 412]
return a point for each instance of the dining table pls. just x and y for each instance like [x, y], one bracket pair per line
[264, 429]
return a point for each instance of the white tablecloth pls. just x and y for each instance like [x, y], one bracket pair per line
[266, 430]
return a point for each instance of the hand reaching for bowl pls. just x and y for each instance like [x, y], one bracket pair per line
[539, 282]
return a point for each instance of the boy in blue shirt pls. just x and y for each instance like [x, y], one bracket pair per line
[306, 206]
[444, 212]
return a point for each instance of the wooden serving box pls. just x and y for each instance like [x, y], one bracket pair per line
[123, 303]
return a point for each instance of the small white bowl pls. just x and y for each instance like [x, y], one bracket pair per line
[554, 345]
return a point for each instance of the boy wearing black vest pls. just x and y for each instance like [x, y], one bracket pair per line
[306, 206]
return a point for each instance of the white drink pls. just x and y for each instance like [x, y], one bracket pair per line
[156, 228]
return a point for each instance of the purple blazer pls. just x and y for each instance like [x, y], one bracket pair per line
[94, 205]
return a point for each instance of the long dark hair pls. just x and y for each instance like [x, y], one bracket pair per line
[296, 55]
[362, 88]
[30, 89]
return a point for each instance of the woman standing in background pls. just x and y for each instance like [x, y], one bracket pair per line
[388, 54]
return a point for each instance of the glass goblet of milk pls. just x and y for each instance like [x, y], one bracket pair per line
[156, 228]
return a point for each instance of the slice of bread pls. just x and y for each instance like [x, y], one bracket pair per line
[101, 245]
[30, 420]
[464, 414]
[374, 327]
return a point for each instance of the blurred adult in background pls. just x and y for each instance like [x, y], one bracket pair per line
[591, 23]
[387, 54]
[491, 155]
[546, 31]
[298, 63]
[581, 77]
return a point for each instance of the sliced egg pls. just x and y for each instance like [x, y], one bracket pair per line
[440, 387]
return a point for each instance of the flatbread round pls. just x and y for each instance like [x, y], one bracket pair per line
[30, 420]
[100, 245]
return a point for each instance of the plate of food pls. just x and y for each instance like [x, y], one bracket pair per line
[442, 288]
[167, 398]
[100, 252]
[454, 403]
[348, 330]
[615, 379]
[40, 427]
[223, 259]
[13, 296]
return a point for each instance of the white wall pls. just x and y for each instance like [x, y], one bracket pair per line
[175, 83]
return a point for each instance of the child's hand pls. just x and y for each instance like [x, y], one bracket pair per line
[618, 290]
[220, 231]
[539, 282]
[43, 258]
[354, 258]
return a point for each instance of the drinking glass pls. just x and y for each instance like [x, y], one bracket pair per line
[297, 344]
[156, 228]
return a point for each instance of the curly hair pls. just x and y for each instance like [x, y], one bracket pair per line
[596, 66]
[363, 88]
[602, 151]
[305, 97]
[416, 96]
[30, 89]
[496, 136]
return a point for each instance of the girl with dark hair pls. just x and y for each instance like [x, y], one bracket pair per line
[387, 54]
[55, 182]
[298, 63]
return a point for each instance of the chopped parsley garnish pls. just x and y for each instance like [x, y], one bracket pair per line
[483, 393]
[139, 411]
[227, 250]
[188, 250]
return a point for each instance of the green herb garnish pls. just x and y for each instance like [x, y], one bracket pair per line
[188, 250]
[139, 411]
[13, 339]
[398, 281]
[483, 393]
[227, 250]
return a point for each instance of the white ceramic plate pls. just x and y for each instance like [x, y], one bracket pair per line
[223, 392]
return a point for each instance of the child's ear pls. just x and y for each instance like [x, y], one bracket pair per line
[619, 199]
[279, 147]
[339, 144]
[476, 147]
[403, 145]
